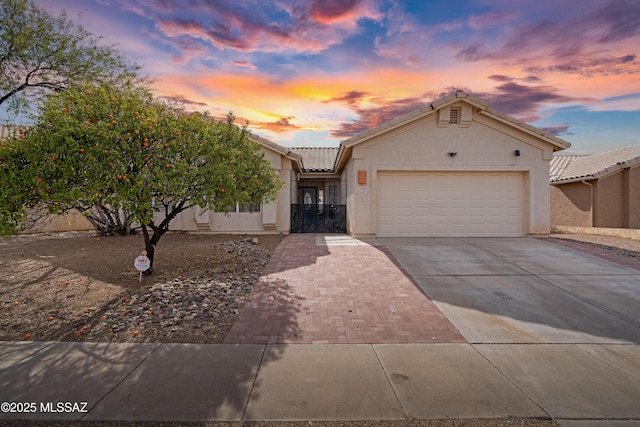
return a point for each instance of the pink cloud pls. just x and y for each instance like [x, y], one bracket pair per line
[279, 126]
[311, 26]
[245, 64]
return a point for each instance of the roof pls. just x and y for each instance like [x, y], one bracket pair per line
[566, 169]
[560, 163]
[275, 147]
[448, 100]
[317, 159]
[483, 106]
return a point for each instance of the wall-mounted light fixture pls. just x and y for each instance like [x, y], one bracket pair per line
[516, 153]
[452, 154]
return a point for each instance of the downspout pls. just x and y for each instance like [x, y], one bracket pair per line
[593, 207]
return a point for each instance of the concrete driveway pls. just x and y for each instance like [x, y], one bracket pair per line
[524, 290]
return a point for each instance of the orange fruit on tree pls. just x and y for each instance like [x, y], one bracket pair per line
[16, 303]
[135, 333]
[78, 334]
[27, 336]
[85, 328]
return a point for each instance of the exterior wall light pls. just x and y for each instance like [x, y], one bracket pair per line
[516, 153]
[452, 154]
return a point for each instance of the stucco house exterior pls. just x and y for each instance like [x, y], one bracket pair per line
[453, 168]
[599, 190]
[266, 218]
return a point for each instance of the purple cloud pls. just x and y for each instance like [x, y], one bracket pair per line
[181, 99]
[523, 102]
[557, 129]
[301, 26]
[371, 117]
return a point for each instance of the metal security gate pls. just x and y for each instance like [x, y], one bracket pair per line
[314, 218]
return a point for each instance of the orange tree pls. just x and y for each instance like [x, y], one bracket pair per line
[119, 152]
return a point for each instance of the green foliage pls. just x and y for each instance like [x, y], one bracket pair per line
[115, 146]
[40, 52]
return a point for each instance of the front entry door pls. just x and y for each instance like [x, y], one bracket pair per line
[308, 197]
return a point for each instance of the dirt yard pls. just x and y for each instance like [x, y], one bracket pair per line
[79, 287]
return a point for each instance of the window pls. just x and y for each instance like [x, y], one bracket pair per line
[332, 194]
[454, 118]
[250, 208]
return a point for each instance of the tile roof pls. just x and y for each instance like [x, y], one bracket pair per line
[559, 164]
[576, 168]
[317, 159]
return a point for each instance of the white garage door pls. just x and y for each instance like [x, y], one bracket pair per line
[450, 204]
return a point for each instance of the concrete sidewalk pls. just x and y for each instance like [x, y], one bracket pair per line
[579, 385]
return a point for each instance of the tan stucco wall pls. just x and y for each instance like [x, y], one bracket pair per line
[609, 209]
[634, 197]
[486, 145]
[571, 205]
[71, 221]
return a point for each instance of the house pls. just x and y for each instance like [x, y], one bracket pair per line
[600, 190]
[454, 168]
[266, 218]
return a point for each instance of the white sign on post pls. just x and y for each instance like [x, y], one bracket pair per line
[142, 263]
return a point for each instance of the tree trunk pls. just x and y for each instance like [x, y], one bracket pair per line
[150, 242]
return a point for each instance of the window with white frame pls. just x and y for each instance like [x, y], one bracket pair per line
[250, 208]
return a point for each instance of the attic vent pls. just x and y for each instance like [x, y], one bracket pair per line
[454, 118]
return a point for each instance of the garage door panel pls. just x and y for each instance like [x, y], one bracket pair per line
[450, 204]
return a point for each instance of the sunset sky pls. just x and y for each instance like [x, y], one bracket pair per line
[311, 73]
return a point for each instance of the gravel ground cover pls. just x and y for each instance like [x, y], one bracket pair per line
[79, 287]
[619, 245]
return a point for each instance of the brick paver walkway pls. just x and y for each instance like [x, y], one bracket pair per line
[334, 289]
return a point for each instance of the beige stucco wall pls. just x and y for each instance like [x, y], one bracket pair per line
[485, 145]
[571, 205]
[71, 221]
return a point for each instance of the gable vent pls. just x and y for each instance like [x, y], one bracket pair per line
[454, 118]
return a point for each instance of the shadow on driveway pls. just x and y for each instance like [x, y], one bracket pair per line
[524, 290]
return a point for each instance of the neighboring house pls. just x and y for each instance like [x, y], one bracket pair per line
[600, 190]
